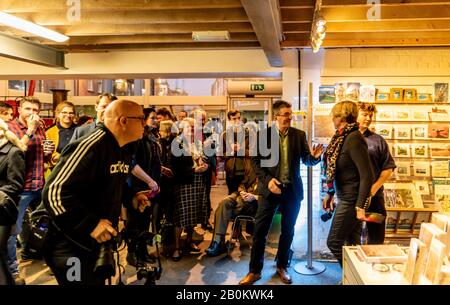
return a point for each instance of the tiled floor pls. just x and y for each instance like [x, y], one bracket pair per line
[221, 270]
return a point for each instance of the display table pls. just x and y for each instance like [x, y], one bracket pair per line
[357, 272]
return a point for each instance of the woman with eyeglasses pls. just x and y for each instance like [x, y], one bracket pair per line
[61, 133]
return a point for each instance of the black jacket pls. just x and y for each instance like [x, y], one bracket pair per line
[88, 184]
[148, 158]
[298, 150]
[83, 130]
[12, 176]
[354, 173]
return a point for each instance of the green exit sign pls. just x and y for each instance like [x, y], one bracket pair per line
[256, 87]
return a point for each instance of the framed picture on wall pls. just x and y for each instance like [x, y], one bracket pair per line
[419, 150]
[441, 92]
[424, 97]
[438, 131]
[402, 115]
[326, 94]
[402, 132]
[421, 169]
[382, 97]
[396, 94]
[440, 150]
[339, 92]
[402, 150]
[385, 115]
[420, 132]
[367, 93]
[409, 95]
[403, 168]
[384, 130]
[419, 115]
[352, 92]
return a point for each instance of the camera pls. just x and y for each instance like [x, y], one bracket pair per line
[143, 269]
[105, 264]
[326, 216]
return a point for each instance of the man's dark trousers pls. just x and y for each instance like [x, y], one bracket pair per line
[289, 207]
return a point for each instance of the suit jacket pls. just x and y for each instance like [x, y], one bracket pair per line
[83, 130]
[298, 150]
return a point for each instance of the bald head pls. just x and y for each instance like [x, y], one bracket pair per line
[125, 120]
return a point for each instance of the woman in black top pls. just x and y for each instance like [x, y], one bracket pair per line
[12, 172]
[383, 166]
[349, 175]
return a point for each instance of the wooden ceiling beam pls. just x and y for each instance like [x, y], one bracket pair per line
[142, 17]
[359, 13]
[410, 42]
[388, 26]
[23, 6]
[297, 27]
[160, 46]
[376, 36]
[297, 3]
[265, 19]
[132, 29]
[148, 38]
[326, 3]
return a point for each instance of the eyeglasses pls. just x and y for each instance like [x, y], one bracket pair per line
[141, 118]
[286, 115]
[68, 113]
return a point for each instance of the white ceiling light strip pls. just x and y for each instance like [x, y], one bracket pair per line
[31, 27]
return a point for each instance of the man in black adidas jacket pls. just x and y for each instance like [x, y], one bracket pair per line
[85, 192]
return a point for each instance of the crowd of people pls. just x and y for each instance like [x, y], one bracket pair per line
[154, 171]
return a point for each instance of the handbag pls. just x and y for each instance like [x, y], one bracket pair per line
[8, 209]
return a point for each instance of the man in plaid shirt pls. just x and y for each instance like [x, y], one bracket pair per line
[29, 130]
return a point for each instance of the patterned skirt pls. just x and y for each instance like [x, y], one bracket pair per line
[191, 207]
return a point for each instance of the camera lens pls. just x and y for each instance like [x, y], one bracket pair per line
[326, 216]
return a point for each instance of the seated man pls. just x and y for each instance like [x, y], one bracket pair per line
[242, 202]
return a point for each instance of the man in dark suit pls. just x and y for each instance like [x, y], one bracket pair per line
[101, 103]
[280, 187]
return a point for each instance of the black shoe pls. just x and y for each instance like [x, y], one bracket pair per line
[192, 249]
[207, 226]
[216, 248]
[176, 256]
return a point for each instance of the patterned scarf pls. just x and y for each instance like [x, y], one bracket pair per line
[333, 151]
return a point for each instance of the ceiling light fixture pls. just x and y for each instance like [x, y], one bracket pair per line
[31, 27]
[318, 28]
[211, 36]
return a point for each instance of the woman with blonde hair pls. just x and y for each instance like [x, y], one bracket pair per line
[349, 175]
[62, 131]
[12, 177]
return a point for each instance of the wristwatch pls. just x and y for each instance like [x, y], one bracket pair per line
[29, 135]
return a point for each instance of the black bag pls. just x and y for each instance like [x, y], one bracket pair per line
[8, 210]
[36, 234]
